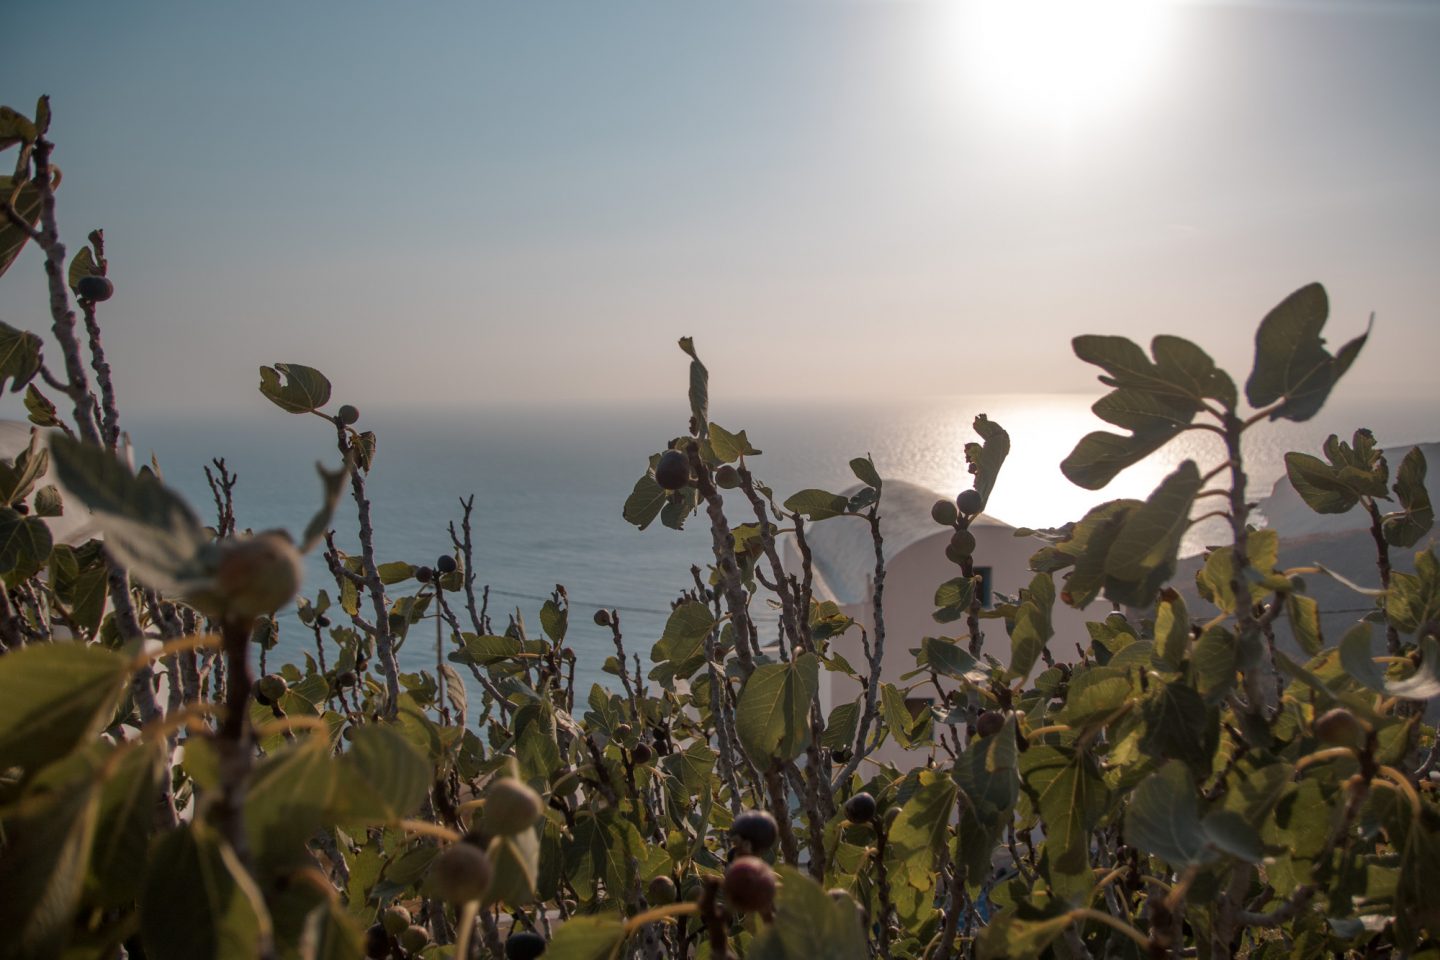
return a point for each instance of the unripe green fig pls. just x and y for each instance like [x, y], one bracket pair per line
[660, 891]
[446, 564]
[944, 513]
[511, 807]
[395, 919]
[1340, 728]
[414, 938]
[462, 873]
[255, 576]
[643, 753]
[672, 471]
[860, 808]
[270, 688]
[961, 546]
[95, 288]
[524, 945]
[348, 415]
[969, 502]
[727, 477]
[989, 723]
[756, 828]
[749, 885]
[602, 618]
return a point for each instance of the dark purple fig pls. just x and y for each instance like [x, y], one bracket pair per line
[672, 471]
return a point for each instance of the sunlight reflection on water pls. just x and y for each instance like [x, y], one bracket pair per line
[550, 482]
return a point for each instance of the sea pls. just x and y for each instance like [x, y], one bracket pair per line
[549, 481]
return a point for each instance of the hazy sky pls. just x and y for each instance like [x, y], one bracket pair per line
[481, 202]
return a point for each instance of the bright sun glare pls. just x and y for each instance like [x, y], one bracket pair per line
[1062, 61]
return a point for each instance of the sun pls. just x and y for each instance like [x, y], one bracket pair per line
[1062, 61]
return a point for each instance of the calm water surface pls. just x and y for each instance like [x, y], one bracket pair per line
[549, 483]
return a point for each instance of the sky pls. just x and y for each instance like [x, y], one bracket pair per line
[466, 204]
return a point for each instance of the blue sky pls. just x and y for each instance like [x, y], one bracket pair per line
[489, 203]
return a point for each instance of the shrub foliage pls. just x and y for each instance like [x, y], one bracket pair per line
[1181, 787]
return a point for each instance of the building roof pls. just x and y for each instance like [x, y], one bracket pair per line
[841, 549]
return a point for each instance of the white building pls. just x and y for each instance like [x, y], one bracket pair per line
[915, 565]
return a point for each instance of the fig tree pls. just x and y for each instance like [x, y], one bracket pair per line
[757, 828]
[95, 288]
[348, 415]
[860, 808]
[969, 502]
[750, 885]
[524, 945]
[672, 471]
[462, 873]
[511, 807]
[944, 513]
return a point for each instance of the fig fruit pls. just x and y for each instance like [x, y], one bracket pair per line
[841, 755]
[511, 807]
[348, 415]
[727, 477]
[750, 885]
[377, 942]
[424, 574]
[255, 576]
[660, 891]
[961, 546]
[446, 564]
[622, 730]
[860, 808]
[95, 288]
[944, 513]
[672, 471]
[462, 873]
[757, 828]
[414, 938]
[989, 723]
[524, 945]
[270, 688]
[602, 618]
[395, 919]
[643, 753]
[1339, 728]
[969, 502]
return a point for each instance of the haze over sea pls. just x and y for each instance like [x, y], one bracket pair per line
[549, 482]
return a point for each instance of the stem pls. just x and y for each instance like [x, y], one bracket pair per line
[1382, 561]
[384, 643]
[235, 740]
